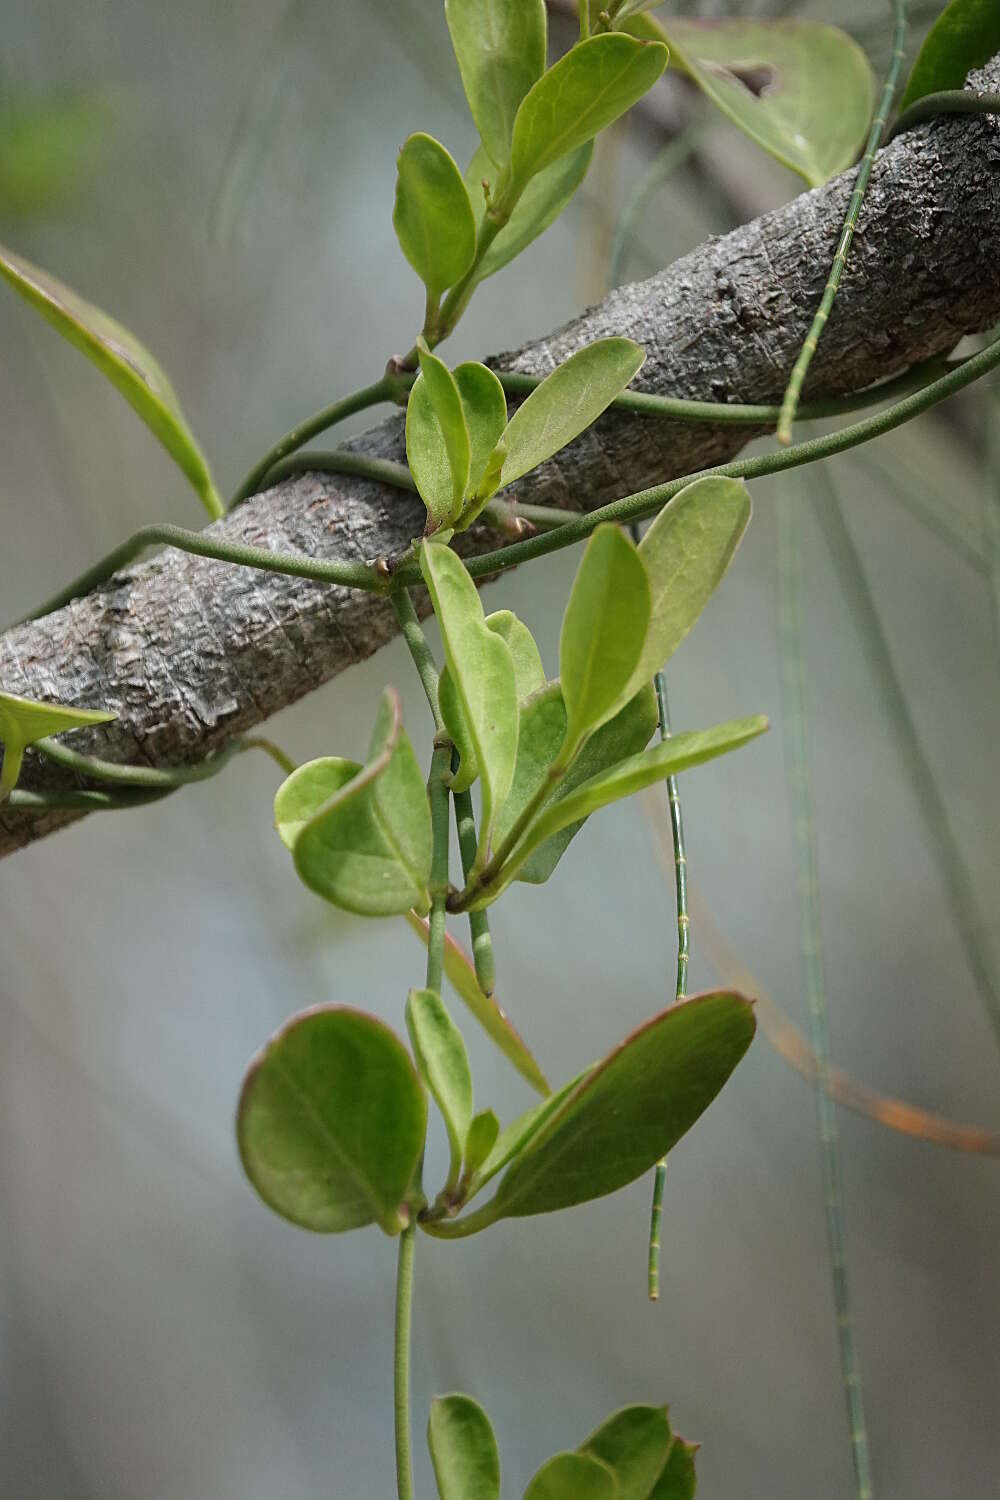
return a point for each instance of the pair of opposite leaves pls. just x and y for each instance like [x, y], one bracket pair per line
[360, 836]
[634, 1455]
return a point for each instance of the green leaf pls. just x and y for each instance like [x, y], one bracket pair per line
[679, 753]
[500, 47]
[540, 736]
[463, 1450]
[529, 674]
[437, 440]
[331, 1122]
[629, 1111]
[540, 204]
[23, 721]
[686, 552]
[48, 147]
[485, 407]
[119, 356]
[965, 35]
[479, 1142]
[587, 89]
[572, 1476]
[367, 846]
[444, 1066]
[567, 402]
[462, 977]
[514, 1137]
[482, 670]
[603, 632]
[677, 1482]
[802, 90]
[634, 1444]
[433, 216]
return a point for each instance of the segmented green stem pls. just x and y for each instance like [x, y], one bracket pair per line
[386, 389]
[794, 389]
[419, 648]
[960, 890]
[401, 1361]
[800, 793]
[94, 801]
[946, 102]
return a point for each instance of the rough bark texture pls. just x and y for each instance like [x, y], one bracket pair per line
[191, 652]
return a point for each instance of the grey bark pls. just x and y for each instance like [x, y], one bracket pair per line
[190, 652]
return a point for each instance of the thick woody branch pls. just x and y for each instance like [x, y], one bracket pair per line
[190, 652]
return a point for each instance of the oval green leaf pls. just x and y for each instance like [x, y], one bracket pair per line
[438, 448]
[965, 35]
[24, 720]
[572, 1476]
[433, 216]
[603, 633]
[500, 47]
[529, 674]
[331, 1122]
[802, 90]
[586, 90]
[634, 1444]
[120, 357]
[540, 204]
[686, 552]
[367, 848]
[444, 1066]
[678, 1480]
[482, 671]
[515, 1136]
[631, 1109]
[485, 407]
[540, 736]
[679, 753]
[463, 1449]
[567, 402]
[482, 1137]
[301, 795]
[461, 976]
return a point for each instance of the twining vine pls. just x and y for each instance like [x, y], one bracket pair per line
[333, 1114]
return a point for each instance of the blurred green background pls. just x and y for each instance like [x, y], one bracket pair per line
[220, 178]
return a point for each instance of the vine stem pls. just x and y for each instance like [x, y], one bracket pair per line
[401, 1361]
[946, 102]
[960, 891]
[794, 389]
[577, 528]
[386, 389]
[800, 793]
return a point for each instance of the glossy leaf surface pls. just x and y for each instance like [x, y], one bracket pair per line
[433, 216]
[540, 737]
[686, 552]
[462, 977]
[367, 847]
[679, 753]
[587, 89]
[120, 357]
[572, 1476]
[331, 1122]
[463, 1450]
[567, 402]
[500, 47]
[438, 448]
[482, 671]
[529, 673]
[678, 1480]
[965, 35]
[541, 203]
[444, 1066]
[634, 1444]
[515, 1136]
[301, 795]
[485, 407]
[24, 720]
[631, 1109]
[603, 632]
[804, 91]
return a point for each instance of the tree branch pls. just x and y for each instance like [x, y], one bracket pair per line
[191, 652]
